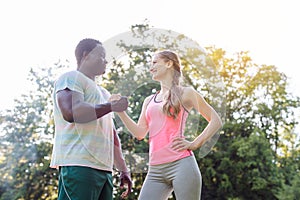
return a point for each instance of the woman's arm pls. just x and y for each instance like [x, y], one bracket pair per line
[196, 101]
[140, 129]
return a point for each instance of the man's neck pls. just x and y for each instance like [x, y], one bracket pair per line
[92, 77]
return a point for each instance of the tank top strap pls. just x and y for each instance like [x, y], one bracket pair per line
[154, 95]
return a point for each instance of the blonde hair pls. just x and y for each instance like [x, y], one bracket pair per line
[172, 105]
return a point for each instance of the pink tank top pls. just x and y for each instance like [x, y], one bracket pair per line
[162, 130]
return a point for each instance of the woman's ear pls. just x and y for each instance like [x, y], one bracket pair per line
[169, 63]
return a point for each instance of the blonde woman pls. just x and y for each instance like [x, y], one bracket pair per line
[172, 165]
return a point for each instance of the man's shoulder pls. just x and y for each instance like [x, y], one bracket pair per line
[71, 76]
[71, 73]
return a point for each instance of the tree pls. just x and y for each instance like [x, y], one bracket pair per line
[26, 142]
[259, 115]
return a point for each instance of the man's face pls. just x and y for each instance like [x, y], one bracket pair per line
[95, 61]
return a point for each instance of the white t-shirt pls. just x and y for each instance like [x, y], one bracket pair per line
[82, 144]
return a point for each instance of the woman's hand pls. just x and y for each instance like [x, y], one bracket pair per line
[114, 97]
[118, 103]
[181, 144]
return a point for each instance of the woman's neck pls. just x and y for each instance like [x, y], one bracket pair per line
[165, 87]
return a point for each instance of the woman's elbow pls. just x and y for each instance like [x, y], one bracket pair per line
[219, 122]
[139, 138]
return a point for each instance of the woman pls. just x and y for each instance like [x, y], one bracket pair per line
[172, 165]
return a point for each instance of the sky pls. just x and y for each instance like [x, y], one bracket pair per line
[38, 33]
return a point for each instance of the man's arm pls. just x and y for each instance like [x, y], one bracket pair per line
[119, 160]
[120, 164]
[74, 109]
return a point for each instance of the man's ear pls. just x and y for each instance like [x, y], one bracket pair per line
[84, 55]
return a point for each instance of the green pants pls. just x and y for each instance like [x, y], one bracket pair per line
[84, 183]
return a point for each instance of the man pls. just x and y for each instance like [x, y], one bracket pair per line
[86, 145]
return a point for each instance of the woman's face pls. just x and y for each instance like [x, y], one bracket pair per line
[158, 68]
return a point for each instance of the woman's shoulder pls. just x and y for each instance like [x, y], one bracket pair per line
[148, 99]
[187, 90]
[189, 95]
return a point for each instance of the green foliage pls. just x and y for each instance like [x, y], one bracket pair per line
[291, 191]
[26, 144]
[259, 126]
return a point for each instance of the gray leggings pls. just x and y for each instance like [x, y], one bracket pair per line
[183, 176]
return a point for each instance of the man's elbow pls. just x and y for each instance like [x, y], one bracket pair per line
[68, 117]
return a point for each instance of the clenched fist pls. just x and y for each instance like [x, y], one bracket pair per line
[118, 103]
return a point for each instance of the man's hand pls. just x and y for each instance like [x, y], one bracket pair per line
[119, 105]
[125, 180]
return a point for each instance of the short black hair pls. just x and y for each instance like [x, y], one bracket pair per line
[85, 45]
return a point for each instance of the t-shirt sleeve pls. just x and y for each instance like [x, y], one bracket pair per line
[70, 81]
